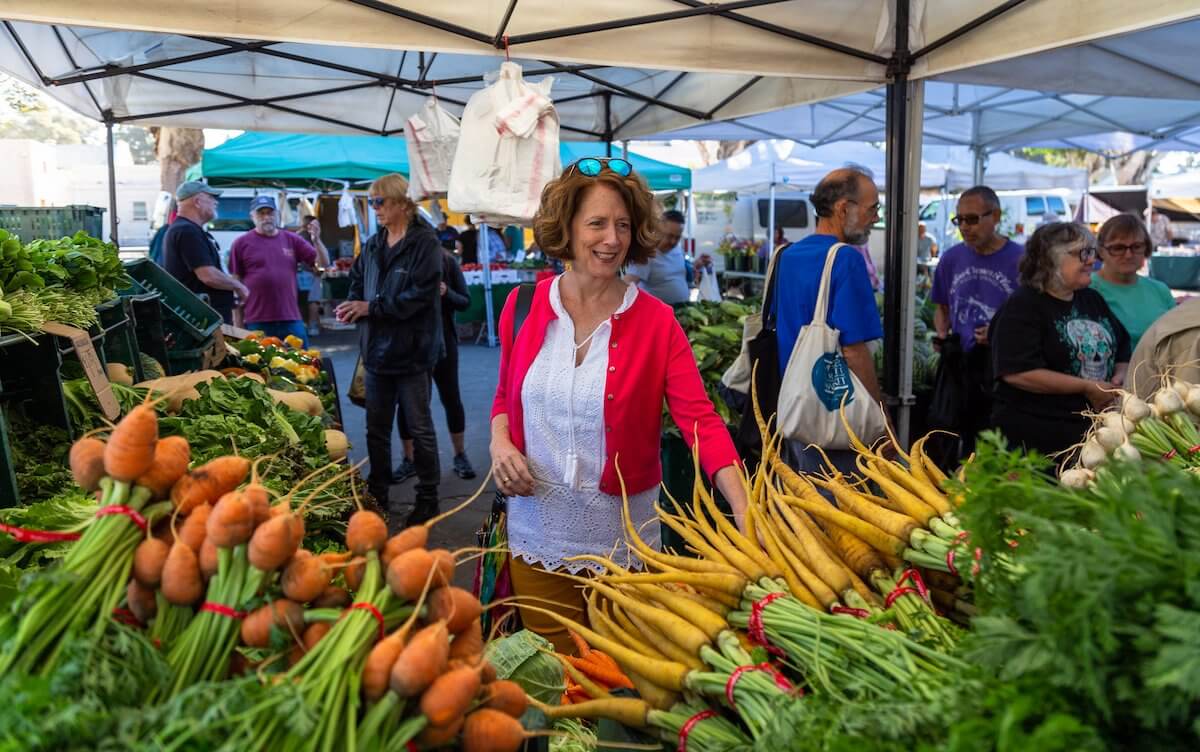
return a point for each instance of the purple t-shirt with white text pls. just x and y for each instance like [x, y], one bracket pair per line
[974, 285]
[267, 266]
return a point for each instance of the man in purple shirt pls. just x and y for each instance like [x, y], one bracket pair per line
[265, 261]
[972, 280]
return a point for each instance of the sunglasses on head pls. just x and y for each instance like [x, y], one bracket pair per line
[593, 166]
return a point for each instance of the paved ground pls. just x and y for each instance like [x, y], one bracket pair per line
[478, 368]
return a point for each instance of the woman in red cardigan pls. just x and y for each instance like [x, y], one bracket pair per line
[581, 392]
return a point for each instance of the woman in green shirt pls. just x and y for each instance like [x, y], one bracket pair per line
[1136, 300]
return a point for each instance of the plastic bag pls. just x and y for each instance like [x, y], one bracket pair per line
[507, 150]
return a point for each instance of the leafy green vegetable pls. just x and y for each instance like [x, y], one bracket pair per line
[1096, 608]
[521, 657]
[39, 458]
[715, 333]
[62, 512]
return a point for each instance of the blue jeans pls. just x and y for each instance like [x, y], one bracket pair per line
[280, 329]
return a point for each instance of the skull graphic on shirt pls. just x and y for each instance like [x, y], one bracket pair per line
[1092, 345]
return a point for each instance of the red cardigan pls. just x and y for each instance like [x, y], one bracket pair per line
[649, 359]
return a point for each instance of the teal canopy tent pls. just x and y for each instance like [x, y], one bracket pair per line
[318, 161]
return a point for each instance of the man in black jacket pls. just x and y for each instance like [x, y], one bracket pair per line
[395, 291]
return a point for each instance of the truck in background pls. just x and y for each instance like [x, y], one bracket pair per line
[1020, 214]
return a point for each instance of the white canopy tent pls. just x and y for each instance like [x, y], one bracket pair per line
[986, 118]
[794, 166]
[338, 66]
[790, 165]
[772, 53]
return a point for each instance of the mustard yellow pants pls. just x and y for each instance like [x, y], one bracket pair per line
[548, 590]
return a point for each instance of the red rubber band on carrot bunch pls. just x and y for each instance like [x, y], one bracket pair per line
[126, 617]
[780, 680]
[26, 535]
[686, 730]
[220, 609]
[374, 612]
[901, 589]
[754, 627]
[129, 512]
[857, 613]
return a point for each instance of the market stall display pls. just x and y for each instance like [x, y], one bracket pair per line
[193, 586]
[286, 366]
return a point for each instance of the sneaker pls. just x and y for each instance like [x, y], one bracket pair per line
[404, 471]
[462, 467]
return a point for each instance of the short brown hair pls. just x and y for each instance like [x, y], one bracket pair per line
[1125, 224]
[560, 202]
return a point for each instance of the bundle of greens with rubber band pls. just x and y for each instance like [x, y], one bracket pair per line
[242, 540]
[132, 472]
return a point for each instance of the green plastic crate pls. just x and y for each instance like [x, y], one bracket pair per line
[51, 222]
[192, 321]
[146, 309]
[120, 338]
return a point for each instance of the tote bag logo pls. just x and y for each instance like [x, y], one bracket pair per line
[831, 380]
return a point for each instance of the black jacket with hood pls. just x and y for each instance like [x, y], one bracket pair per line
[402, 333]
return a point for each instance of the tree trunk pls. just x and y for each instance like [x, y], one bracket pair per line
[727, 149]
[177, 150]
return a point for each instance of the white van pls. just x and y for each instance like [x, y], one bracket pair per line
[1020, 214]
[747, 217]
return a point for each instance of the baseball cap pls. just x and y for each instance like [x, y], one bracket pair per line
[262, 201]
[193, 187]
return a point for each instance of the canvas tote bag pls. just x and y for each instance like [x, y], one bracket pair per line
[817, 383]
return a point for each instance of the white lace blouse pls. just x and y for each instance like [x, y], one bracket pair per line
[563, 406]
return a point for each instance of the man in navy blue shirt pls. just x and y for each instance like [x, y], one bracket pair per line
[847, 205]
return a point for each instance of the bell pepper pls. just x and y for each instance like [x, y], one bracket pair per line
[272, 342]
[307, 374]
[293, 341]
[255, 335]
[252, 358]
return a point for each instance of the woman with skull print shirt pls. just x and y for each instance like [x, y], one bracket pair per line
[1057, 348]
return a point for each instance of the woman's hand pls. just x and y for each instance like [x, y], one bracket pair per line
[511, 470]
[1099, 393]
[730, 486]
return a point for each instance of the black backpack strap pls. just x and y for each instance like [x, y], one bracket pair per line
[524, 302]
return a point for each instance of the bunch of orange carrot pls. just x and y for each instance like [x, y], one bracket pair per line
[595, 665]
[132, 473]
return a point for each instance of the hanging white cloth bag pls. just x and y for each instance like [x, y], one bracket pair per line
[432, 136]
[507, 150]
[818, 382]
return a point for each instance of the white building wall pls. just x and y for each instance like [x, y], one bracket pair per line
[37, 174]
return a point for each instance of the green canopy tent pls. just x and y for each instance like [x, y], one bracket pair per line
[310, 161]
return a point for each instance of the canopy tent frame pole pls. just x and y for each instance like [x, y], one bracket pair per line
[113, 221]
[904, 99]
[608, 129]
[484, 243]
[564, 32]
[770, 242]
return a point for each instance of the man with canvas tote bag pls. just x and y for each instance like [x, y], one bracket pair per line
[814, 383]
